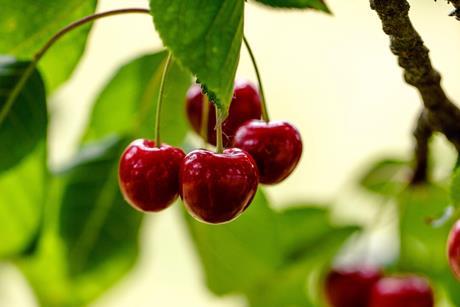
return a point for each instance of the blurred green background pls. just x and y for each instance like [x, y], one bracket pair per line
[331, 76]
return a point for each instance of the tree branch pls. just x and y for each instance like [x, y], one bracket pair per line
[456, 12]
[422, 135]
[440, 113]
[456, 4]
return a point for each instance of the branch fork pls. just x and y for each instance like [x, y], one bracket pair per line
[439, 113]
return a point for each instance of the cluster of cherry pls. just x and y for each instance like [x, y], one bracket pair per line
[367, 287]
[215, 187]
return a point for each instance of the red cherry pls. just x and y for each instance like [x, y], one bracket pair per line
[453, 249]
[217, 188]
[245, 105]
[275, 146]
[149, 175]
[351, 287]
[405, 291]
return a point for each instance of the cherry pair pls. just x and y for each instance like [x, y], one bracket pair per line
[275, 146]
[216, 188]
[366, 287]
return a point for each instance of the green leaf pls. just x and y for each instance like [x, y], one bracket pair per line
[22, 198]
[229, 252]
[205, 36]
[422, 244]
[127, 104]
[93, 210]
[386, 177]
[25, 26]
[268, 255]
[300, 227]
[300, 4]
[455, 188]
[286, 289]
[23, 173]
[91, 235]
[299, 283]
[23, 121]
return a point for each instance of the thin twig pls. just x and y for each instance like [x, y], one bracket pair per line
[40, 53]
[86, 20]
[422, 134]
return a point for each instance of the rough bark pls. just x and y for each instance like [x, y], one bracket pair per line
[440, 113]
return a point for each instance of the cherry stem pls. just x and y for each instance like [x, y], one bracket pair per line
[160, 99]
[265, 116]
[16, 90]
[204, 120]
[83, 21]
[219, 143]
[41, 52]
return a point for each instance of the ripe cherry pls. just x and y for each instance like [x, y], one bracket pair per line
[275, 146]
[404, 291]
[453, 249]
[245, 105]
[351, 287]
[149, 175]
[217, 188]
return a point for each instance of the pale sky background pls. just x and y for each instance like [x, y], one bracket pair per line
[332, 76]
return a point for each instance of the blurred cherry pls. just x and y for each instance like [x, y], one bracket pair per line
[351, 287]
[453, 249]
[402, 291]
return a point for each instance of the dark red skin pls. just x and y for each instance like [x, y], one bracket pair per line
[402, 291]
[149, 176]
[351, 287]
[453, 249]
[275, 146]
[245, 105]
[217, 188]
